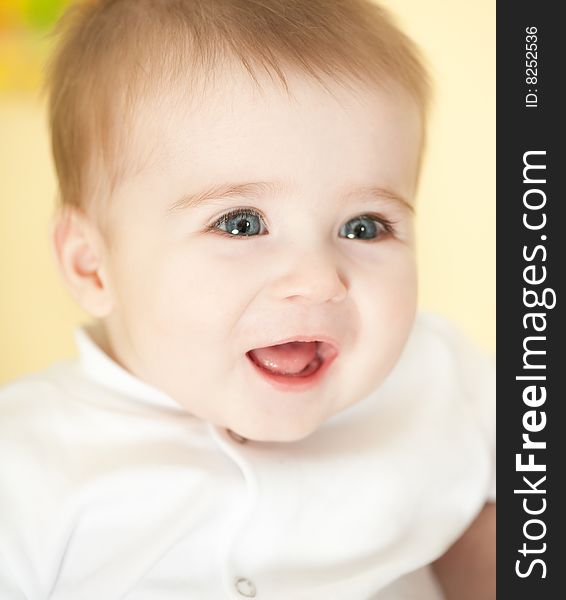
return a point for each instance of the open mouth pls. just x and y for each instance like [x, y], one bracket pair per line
[295, 364]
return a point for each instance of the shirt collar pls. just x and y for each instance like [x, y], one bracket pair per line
[98, 366]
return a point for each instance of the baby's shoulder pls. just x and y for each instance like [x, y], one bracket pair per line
[33, 400]
[38, 417]
[33, 446]
[30, 409]
[444, 370]
[431, 327]
[443, 356]
[439, 345]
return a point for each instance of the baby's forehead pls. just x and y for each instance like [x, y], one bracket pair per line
[252, 144]
[235, 108]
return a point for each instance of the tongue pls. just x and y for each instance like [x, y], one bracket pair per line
[286, 359]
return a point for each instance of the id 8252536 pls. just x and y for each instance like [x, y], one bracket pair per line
[531, 66]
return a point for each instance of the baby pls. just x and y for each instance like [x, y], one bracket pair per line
[256, 411]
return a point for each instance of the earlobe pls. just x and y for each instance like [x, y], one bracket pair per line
[78, 250]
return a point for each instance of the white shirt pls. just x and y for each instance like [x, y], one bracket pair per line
[110, 490]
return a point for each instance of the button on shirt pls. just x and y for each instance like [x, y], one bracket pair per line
[111, 490]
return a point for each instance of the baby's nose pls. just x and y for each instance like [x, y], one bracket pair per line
[312, 279]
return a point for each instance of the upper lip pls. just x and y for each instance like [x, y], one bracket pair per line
[300, 338]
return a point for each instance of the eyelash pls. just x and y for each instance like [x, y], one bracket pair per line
[388, 225]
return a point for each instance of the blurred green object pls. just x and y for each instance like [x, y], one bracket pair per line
[43, 14]
[24, 41]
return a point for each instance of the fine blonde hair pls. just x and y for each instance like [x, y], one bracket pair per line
[111, 54]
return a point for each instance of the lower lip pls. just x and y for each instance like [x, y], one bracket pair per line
[289, 383]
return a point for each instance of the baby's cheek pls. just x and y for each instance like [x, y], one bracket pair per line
[401, 281]
[195, 295]
[391, 278]
[387, 309]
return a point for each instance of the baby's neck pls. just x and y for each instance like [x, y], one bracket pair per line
[97, 332]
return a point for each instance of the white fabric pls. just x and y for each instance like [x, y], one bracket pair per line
[110, 490]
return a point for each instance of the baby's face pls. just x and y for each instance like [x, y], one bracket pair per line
[319, 251]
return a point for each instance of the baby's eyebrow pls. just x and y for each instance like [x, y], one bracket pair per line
[373, 193]
[238, 191]
[255, 189]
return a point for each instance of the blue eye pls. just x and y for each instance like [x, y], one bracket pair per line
[247, 222]
[241, 223]
[366, 227]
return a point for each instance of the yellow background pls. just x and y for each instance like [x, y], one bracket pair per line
[455, 213]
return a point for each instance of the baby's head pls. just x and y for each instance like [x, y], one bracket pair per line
[237, 176]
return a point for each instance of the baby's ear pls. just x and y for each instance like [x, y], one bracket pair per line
[79, 251]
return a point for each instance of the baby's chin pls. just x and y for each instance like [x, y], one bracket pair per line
[284, 432]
